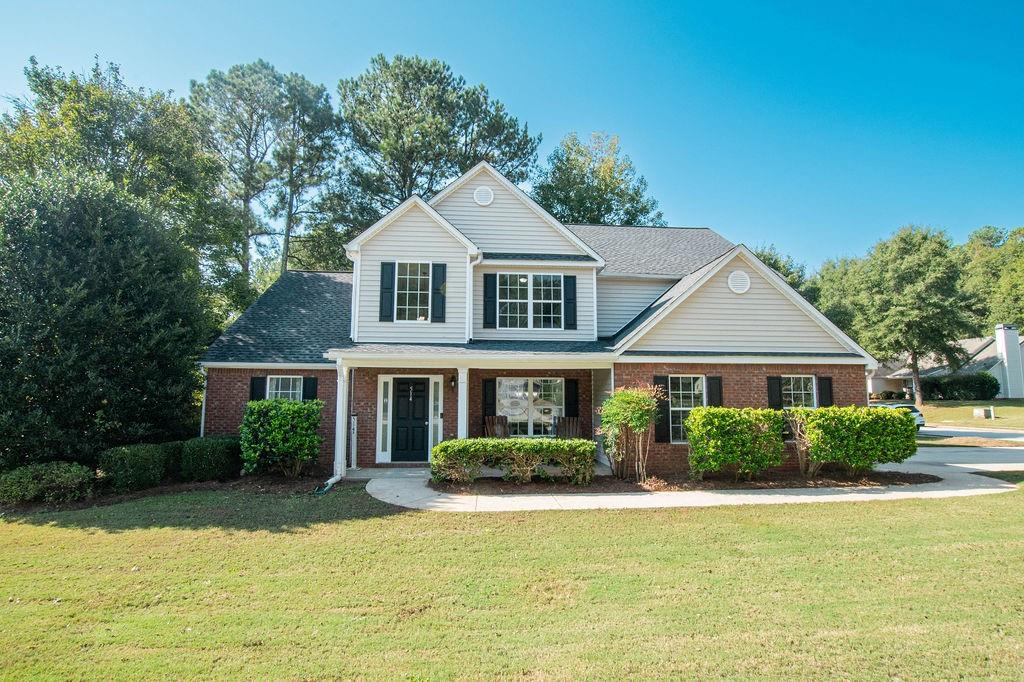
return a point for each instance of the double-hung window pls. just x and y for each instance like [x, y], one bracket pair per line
[684, 394]
[532, 406]
[798, 391]
[285, 388]
[529, 301]
[412, 292]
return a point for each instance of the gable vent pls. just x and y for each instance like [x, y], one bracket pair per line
[483, 195]
[739, 282]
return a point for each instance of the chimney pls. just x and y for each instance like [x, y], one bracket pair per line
[1008, 347]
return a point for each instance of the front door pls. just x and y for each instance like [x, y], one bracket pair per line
[410, 421]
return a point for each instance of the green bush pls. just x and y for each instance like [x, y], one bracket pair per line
[980, 386]
[460, 461]
[212, 458]
[746, 440]
[280, 435]
[172, 458]
[132, 467]
[858, 437]
[51, 483]
[626, 419]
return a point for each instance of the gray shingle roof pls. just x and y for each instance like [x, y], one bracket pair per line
[299, 317]
[671, 251]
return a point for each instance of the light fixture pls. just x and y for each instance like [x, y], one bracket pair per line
[453, 382]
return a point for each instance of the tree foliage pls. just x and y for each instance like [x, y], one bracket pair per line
[834, 289]
[793, 271]
[993, 261]
[595, 183]
[101, 320]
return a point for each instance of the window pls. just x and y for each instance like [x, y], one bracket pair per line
[412, 292]
[284, 388]
[798, 391]
[547, 301]
[684, 394]
[532, 406]
[513, 301]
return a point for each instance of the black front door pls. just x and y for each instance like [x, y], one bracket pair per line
[410, 421]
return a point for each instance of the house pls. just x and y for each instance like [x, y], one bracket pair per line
[479, 303]
[999, 355]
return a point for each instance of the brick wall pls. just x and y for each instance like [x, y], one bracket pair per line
[742, 386]
[227, 392]
[476, 394]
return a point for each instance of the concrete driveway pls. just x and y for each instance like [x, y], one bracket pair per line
[971, 432]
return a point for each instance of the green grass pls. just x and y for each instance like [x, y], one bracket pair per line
[1009, 414]
[1009, 476]
[238, 584]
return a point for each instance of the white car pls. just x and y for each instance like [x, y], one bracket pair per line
[909, 407]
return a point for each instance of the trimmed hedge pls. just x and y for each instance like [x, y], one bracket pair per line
[280, 435]
[747, 440]
[172, 458]
[133, 467]
[460, 460]
[212, 458]
[980, 386]
[50, 483]
[858, 437]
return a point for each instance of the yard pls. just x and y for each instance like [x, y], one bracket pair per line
[242, 584]
[1009, 414]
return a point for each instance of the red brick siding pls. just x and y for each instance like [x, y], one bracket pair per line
[476, 394]
[742, 386]
[227, 392]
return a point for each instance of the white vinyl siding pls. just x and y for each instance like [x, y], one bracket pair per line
[416, 238]
[584, 306]
[619, 300]
[713, 318]
[506, 225]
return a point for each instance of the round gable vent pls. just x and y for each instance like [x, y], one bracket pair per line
[739, 282]
[483, 195]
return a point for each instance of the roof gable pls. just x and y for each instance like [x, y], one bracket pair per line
[412, 203]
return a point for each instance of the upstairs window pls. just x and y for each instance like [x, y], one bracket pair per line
[284, 388]
[529, 301]
[798, 391]
[412, 292]
[547, 301]
[513, 301]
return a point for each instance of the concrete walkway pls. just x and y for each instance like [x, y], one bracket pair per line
[409, 488]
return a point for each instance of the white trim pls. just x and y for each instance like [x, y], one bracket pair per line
[430, 292]
[521, 263]
[476, 361]
[595, 304]
[530, 301]
[814, 388]
[269, 365]
[471, 263]
[462, 420]
[612, 274]
[354, 246]
[522, 196]
[703, 396]
[302, 381]
[340, 420]
[739, 360]
[384, 456]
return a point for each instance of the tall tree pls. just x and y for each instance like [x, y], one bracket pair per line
[305, 156]
[595, 183]
[793, 271]
[412, 126]
[242, 110]
[912, 302]
[992, 260]
[835, 289]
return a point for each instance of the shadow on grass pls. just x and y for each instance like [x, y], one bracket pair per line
[1008, 476]
[218, 508]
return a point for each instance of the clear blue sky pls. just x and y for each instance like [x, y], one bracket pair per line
[820, 127]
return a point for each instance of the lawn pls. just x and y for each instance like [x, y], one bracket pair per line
[240, 584]
[1009, 414]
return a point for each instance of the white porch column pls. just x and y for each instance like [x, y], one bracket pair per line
[463, 431]
[341, 421]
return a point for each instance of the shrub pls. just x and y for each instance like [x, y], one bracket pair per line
[626, 419]
[460, 461]
[212, 458]
[172, 458]
[748, 440]
[132, 467]
[51, 483]
[858, 437]
[980, 386]
[280, 435]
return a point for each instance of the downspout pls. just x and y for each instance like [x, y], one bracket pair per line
[202, 411]
[340, 428]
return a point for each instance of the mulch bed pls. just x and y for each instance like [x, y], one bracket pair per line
[610, 484]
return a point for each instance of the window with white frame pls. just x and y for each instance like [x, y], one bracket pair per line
[532, 406]
[529, 301]
[798, 391]
[684, 394]
[547, 301]
[412, 292]
[284, 388]
[513, 301]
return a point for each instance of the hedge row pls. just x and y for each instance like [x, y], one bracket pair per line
[980, 386]
[746, 440]
[460, 461]
[50, 482]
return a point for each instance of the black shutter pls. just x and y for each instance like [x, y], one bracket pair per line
[490, 300]
[775, 393]
[825, 392]
[387, 292]
[309, 388]
[572, 398]
[569, 300]
[714, 389]
[258, 388]
[438, 281]
[490, 399]
[661, 426]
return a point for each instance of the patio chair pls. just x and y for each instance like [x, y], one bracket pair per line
[496, 427]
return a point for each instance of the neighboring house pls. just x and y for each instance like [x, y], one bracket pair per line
[479, 303]
[999, 355]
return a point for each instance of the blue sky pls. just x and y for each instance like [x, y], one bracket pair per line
[820, 127]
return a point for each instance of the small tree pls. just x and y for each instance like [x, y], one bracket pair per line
[626, 420]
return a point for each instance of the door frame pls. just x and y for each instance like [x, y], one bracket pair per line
[435, 383]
